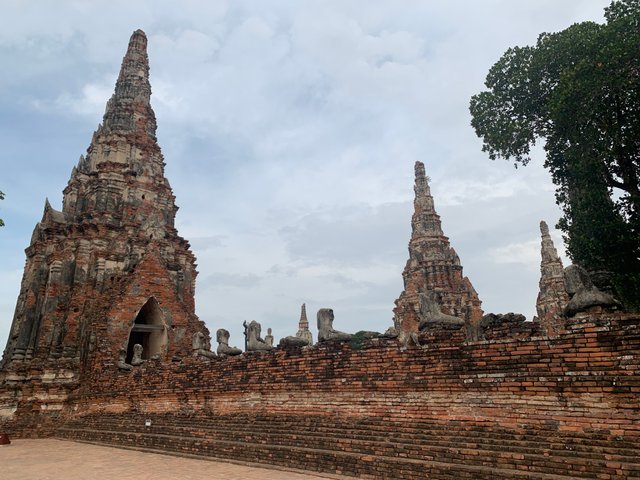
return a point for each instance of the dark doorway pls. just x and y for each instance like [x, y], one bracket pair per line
[148, 330]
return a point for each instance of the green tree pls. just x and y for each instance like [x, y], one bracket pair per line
[578, 90]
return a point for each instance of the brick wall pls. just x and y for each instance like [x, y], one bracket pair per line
[584, 382]
[587, 378]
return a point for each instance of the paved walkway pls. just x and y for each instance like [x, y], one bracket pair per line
[50, 459]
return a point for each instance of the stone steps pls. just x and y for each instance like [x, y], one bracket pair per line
[399, 434]
[326, 441]
[311, 459]
[410, 446]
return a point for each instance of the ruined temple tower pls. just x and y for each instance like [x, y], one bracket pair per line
[552, 297]
[303, 326]
[433, 265]
[109, 270]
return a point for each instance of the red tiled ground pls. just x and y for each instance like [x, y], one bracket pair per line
[50, 459]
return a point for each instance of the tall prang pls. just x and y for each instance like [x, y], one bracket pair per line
[433, 265]
[552, 296]
[109, 271]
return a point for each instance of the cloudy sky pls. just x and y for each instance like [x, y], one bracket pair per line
[290, 130]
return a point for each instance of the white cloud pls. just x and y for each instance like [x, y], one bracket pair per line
[290, 130]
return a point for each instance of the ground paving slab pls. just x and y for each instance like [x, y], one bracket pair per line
[49, 459]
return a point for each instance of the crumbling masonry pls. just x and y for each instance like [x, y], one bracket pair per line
[109, 271]
[105, 347]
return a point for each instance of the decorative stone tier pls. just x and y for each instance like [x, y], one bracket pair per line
[531, 407]
[109, 271]
[433, 266]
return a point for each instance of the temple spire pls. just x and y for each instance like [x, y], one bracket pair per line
[552, 296]
[425, 220]
[433, 265]
[129, 109]
[303, 326]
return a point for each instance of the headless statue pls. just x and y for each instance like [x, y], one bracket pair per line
[254, 342]
[403, 337]
[583, 293]
[122, 364]
[293, 341]
[224, 350]
[325, 327]
[137, 355]
[199, 346]
[430, 313]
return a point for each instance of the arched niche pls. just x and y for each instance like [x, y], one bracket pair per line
[149, 330]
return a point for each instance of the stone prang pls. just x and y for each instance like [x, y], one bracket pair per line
[433, 265]
[552, 297]
[303, 326]
[109, 270]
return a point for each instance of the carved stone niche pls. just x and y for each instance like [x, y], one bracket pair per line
[149, 330]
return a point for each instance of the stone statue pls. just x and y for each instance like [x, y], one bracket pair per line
[224, 350]
[122, 364]
[401, 335]
[254, 342]
[137, 355]
[325, 327]
[199, 346]
[583, 294]
[430, 313]
[293, 341]
[268, 338]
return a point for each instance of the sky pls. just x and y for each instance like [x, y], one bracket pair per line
[289, 130]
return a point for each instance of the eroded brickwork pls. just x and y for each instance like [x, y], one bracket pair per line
[110, 268]
[92, 267]
[510, 408]
[433, 265]
[552, 297]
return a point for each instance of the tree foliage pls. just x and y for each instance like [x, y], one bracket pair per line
[1, 198]
[578, 90]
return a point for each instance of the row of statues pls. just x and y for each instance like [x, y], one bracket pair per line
[253, 341]
[581, 291]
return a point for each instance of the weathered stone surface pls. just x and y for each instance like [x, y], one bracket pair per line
[137, 355]
[431, 315]
[303, 326]
[326, 331]
[292, 341]
[224, 350]
[433, 265]
[255, 343]
[268, 338]
[513, 405]
[552, 296]
[122, 364]
[583, 293]
[200, 347]
[403, 337]
[109, 270]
